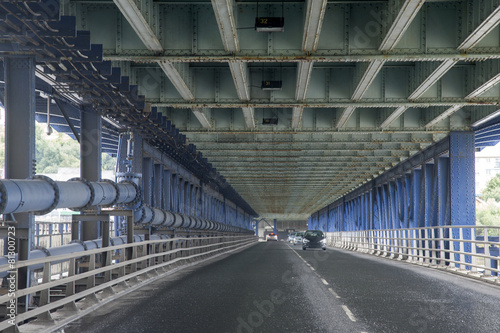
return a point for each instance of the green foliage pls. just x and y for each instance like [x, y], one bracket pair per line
[60, 151]
[488, 214]
[492, 190]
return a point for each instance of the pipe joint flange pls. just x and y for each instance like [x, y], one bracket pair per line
[153, 215]
[143, 216]
[164, 218]
[56, 194]
[92, 193]
[138, 193]
[117, 189]
[82, 243]
[43, 249]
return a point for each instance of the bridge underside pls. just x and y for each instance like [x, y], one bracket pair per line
[292, 119]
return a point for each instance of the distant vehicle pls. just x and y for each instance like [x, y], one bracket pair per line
[298, 238]
[291, 237]
[271, 237]
[314, 239]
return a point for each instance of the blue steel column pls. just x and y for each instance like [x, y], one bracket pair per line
[157, 186]
[147, 175]
[90, 161]
[20, 106]
[275, 229]
[167, 184]
[462, 184]
[175, 193]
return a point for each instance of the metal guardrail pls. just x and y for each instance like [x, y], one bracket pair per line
[470, 250]
[100, 274]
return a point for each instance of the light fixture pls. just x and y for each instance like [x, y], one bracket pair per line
[270, 24]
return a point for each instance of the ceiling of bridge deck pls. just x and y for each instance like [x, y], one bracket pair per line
[365, 84]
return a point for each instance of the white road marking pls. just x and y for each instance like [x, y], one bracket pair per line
[324, 282]
[333, 292]
[349, 313]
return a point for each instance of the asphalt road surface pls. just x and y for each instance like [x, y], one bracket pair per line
[276, 287]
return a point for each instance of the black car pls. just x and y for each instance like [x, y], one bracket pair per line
[314, 239]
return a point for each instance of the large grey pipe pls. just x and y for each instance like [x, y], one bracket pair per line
[41, 194]
[159, 218]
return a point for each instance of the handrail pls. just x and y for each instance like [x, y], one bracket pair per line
[139, 263]
[454, 248]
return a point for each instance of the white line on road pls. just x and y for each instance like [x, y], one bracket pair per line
[348, 313]
[333, 292]
[324, 282]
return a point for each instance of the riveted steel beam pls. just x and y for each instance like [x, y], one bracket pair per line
[481, 30]
[408, 9]
[315, 12]
[139, 22]
[225, 16]
[248, 113]
[257, 104]
[202, 117]
[301, 58]
[180, 76]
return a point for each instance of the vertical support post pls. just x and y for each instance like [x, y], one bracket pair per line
[157, 185]
[462, 185]
[167, 190]
[20, 107]
[130, 234]
[90, 160]
[147, 174]
[275, 229]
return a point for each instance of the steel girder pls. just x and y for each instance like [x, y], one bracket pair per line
[434, 188]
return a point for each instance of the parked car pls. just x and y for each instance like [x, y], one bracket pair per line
[314, 239]
[291, 237]
[298, 238]
[271, 237]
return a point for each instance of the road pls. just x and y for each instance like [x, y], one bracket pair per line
[276, 287]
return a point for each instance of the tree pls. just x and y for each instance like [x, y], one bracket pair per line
[492, 189]
[60, 151]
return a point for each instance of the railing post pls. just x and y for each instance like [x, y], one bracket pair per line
[462, 248]
[487, 261]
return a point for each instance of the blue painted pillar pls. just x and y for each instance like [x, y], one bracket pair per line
[175, 193]
[462, 184]
[147, 180]
[167, 190]
[275, 228]
[462, 178]
[415, 204]
[90, 161]
[157, 185]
